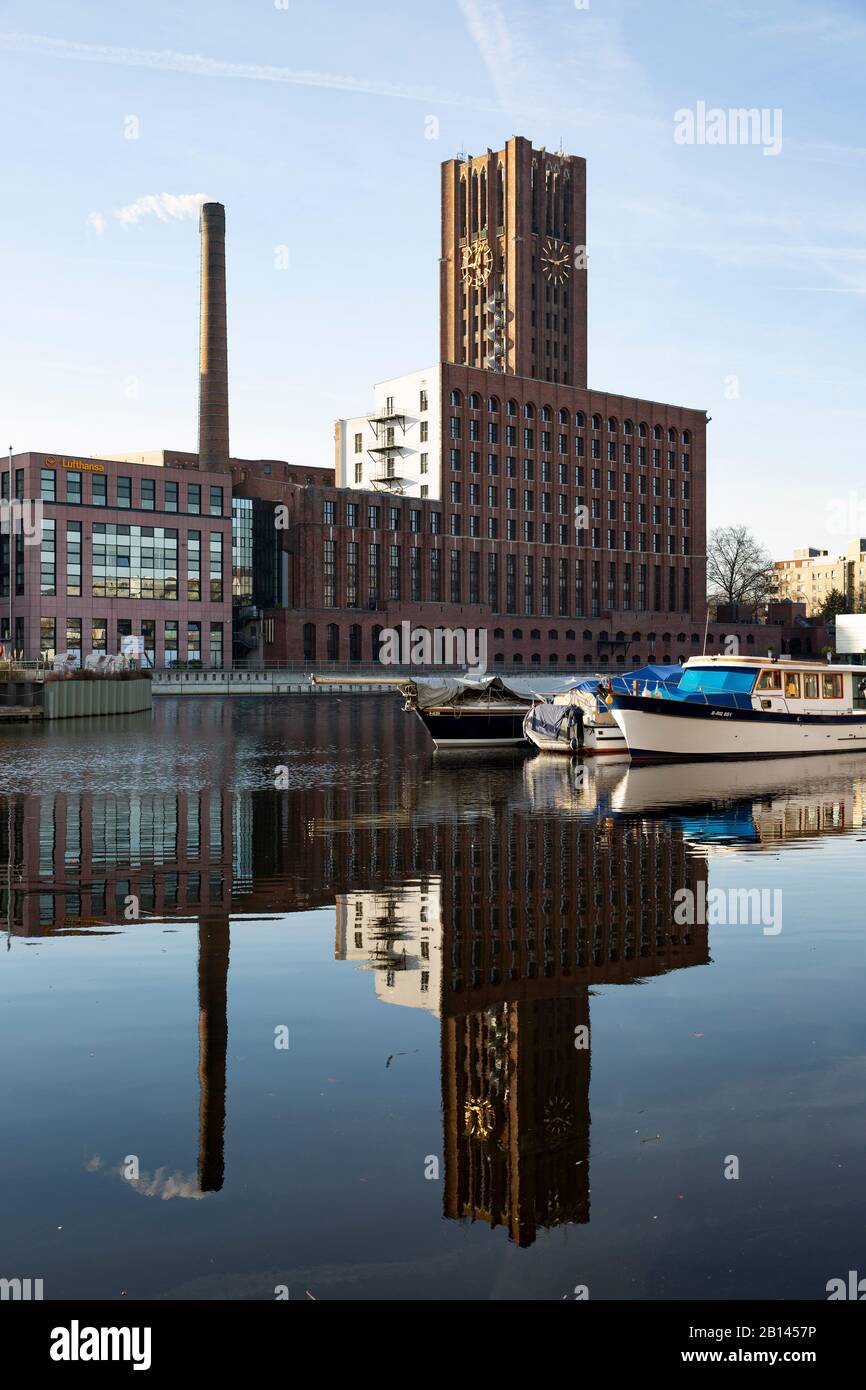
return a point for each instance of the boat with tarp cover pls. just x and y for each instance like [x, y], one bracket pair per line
[466, 712]
[578, 720]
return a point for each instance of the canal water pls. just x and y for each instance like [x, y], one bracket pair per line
[290, 1005]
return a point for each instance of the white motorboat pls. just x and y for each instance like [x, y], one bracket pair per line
[746, 707]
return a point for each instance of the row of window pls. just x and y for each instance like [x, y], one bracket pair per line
[355, 514]
[596, 422]
[789, 683]
[98, 493]
[76, 632]
[338, 646]
[132, 562]
[370, 575]
[613, 453]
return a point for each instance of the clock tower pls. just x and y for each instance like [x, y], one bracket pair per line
[513, 265]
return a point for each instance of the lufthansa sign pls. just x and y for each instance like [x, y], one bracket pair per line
[52, 462]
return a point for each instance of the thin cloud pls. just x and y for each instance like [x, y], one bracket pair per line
[194, 64]
[487, 26]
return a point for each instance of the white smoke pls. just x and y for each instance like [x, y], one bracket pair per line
[167, 207]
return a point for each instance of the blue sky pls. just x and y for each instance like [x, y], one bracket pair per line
[719, 277]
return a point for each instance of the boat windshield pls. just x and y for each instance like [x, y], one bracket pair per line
[715, 678]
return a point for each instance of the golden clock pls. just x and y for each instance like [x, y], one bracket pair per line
[555, 262]
[477, 262]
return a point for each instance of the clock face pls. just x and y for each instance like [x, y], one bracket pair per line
[477, 262]
[555, 261]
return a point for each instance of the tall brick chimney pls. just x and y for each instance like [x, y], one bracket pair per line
[213, 390]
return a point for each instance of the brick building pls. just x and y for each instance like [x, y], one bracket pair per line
[493, 490]
[126, 549]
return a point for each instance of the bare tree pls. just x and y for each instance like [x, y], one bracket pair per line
[739, 569]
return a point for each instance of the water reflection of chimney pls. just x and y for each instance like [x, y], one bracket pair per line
[213, 1036]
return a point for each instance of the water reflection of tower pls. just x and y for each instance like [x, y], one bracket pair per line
[515, 1099]
[535, 909]
[213, 1033]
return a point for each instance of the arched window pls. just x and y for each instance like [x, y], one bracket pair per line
[611, 425]
[635, 637]
[535, 635]
[333, 642]
[309, 641]
[482, 217]
[548, 200]
[464, 230]
[579, 419]
[455, 397]
[666, 638]
[569, 634]
[511, 408]
[533, 194]
[493, 405]
[566, 208]
[642, 430]
[620, 637]
[528, 410]
[553, 635]
[517, 634]
[657, 431]
[570, 658]
[498, 659]
[695, 638]
[750, 639]
[553, 659]
[672, 436]
[687, 438]
[518, 660]
[536, 659]
[681, 637]
[474, 401]
[498, 634]
[627, 427]
[602, 636]
[587, 658]
[474, 224]
[563, 415]
[500, 197]
[587, 636]
[596, 422]
[546, 413]
[355, 642]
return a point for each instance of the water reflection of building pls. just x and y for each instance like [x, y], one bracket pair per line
[397, 934]
[496, 901]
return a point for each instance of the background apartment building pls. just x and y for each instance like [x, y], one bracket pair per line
[811, 575]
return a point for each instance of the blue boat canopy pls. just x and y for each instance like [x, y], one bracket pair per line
[668, 675]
